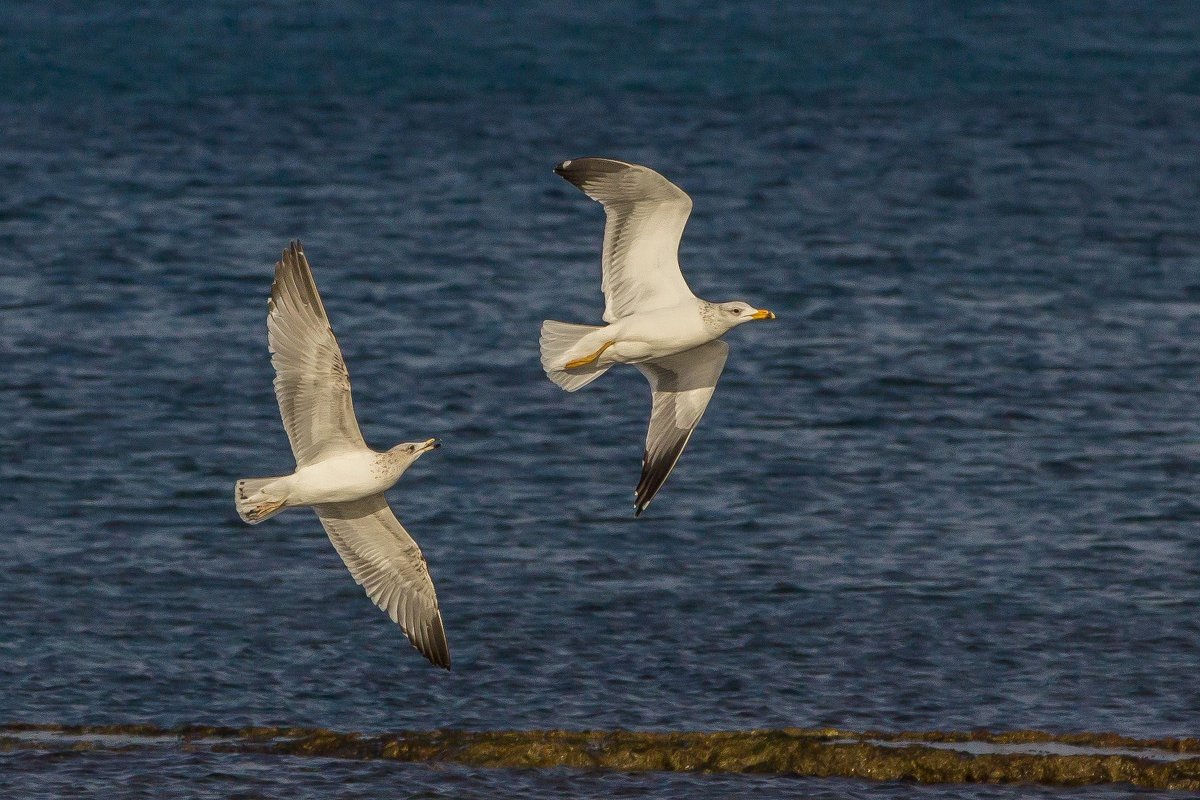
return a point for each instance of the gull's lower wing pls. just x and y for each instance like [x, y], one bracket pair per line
[682, 385]
[646, 214]
[388, 564]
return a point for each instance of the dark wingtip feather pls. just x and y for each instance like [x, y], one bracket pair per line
[582, 170]
[655, 472]
[293, 252]
[434, 645]
[293, 271]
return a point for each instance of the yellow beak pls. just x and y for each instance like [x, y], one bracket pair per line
[431, 444]
[762, 313]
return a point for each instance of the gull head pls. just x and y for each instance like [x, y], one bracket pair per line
[737, 312]
[409, 452]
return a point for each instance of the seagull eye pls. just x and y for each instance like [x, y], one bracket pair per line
[737, 311]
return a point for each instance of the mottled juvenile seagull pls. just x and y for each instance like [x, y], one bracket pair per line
[336, 473]
[654, 320]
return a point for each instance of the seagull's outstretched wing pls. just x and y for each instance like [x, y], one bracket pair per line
[646, 214]
[682, 385]
[387, 563]
[311, 382]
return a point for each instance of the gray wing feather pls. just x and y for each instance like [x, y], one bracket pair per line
[388, 564]
[311, 381]
[681, 384]
[646, 214]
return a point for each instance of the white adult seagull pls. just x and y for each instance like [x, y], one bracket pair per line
[654, 320]
[336, 473]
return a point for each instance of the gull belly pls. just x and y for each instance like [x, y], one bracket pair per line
[342, 479]
[654, 334]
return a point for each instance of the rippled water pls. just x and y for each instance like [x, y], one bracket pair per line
[954, 485]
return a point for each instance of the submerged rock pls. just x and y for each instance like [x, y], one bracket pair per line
[925, 757]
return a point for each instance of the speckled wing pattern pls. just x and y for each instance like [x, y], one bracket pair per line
[311, 381]
[681, 385]
[388, 564]
[646, 214]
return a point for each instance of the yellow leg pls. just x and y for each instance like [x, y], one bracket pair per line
[583, 362]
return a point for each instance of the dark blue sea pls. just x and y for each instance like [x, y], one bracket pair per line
[955, 485]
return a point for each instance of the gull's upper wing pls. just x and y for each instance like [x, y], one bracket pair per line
[311, 382]
[682, 385]
[646, 214]
[387, 563]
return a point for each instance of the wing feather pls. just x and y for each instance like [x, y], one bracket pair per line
[388, 564]
[311, 381]
[681, 385]
[646, 215]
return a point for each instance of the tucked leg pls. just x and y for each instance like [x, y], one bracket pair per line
[583, 362]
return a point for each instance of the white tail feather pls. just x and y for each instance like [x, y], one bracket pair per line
[559, 339]
[253, 503]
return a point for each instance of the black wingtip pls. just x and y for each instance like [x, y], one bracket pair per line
[434, 645]
[292, 254]
[639, 501]
[642, 498]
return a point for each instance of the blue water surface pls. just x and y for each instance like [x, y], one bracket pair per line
[954, 485]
